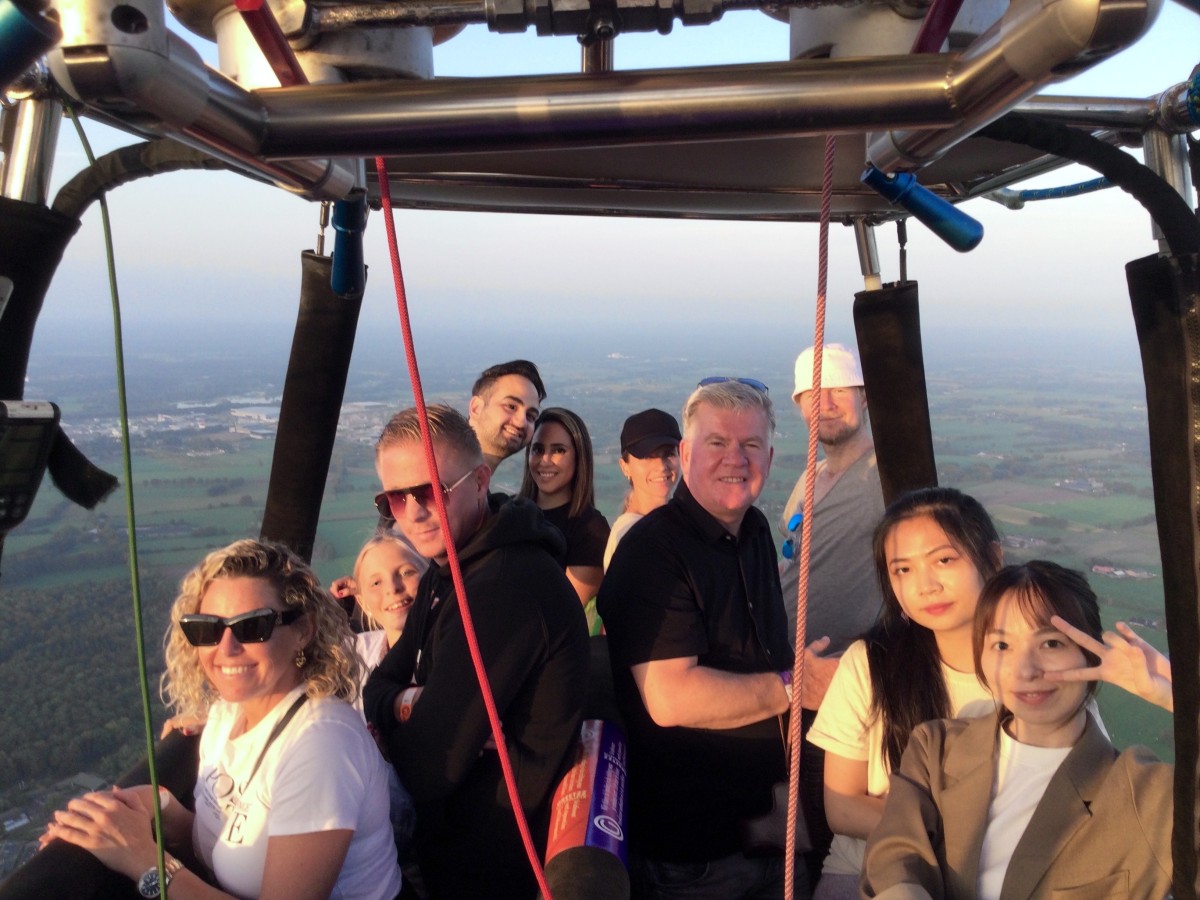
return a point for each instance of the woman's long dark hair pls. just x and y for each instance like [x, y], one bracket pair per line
[907, 686]
[583, 491]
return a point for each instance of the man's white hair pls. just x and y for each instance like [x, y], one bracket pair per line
[729, 395]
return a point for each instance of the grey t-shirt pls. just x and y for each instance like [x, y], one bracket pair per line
[843, 591]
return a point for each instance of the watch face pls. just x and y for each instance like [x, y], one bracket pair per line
[148, 884]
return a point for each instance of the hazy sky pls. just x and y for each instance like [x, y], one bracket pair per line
[204, 248]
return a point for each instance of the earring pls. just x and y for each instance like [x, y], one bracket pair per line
[301, 660]
[904, 616]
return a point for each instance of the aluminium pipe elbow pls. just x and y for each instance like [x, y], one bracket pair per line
[118, 58]
[1033, 44]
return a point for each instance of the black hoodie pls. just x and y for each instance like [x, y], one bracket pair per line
[533, 639]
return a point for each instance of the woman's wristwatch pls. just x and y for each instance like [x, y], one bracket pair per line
[148, 885]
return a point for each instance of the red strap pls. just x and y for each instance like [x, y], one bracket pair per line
[435, 477]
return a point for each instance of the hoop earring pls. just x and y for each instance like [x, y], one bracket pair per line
[301, 660]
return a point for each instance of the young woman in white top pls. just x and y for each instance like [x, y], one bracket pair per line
[291, 793]
[1032, 801]
[934, 548]
[650, 463]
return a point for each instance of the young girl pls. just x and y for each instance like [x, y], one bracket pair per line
[650, 463]
[1038, 802]
[934, 548]
[558, 478]
[386, 574]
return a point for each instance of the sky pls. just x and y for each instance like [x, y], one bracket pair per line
[199, 254]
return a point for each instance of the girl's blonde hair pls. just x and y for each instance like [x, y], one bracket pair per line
[332, 668]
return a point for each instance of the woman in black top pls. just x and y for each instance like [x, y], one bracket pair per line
[558, 478]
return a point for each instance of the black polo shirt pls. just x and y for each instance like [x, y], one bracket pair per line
[680, 585]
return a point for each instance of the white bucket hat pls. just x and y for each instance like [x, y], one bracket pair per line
[839, 368]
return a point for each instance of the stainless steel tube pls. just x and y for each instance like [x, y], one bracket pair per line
[1167, 155]
[25, 174]
[1033, 44]
[800, 97]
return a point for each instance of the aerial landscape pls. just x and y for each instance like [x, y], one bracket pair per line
[1035, 386]
[1056, 450]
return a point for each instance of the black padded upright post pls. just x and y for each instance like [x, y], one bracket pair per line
[32, 241]
[1168, 330]
[312, 402]
[888, 325]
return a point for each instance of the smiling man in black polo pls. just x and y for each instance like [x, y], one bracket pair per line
[698, 638]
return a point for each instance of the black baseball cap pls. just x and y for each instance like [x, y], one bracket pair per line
[645, 432]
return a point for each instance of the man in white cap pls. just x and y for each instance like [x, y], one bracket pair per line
[843, 592]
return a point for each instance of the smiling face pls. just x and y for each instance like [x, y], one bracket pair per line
[552, 464]
[652, 478]
[936, 583]
[257, 676]
[1017, 652]
[842, 410]
[725, 458]
[503, 417]
[387, 581]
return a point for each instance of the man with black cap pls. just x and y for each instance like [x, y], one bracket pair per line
[650, 463]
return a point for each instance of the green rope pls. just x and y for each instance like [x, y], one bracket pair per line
[127, 464]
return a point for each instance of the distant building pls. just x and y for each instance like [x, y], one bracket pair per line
[1021, 541]
[267, 415]
[1114, 572]
[85, 781]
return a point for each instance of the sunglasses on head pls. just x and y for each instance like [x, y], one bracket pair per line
[725, 379]
[390, 504]
[249, 628]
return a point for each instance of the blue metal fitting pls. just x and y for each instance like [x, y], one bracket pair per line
[349, 275]
[789, 546]
[24, 36]
[940, 216]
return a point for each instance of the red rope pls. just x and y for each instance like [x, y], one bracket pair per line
[936, 26]
[810, 473]
[489, 702]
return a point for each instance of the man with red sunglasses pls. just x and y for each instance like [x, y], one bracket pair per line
[425, 698]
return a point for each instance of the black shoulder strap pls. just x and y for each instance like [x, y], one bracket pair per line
[275, 732]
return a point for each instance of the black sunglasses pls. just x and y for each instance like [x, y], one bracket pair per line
[390, 504]
[724, 379]
[249, 628]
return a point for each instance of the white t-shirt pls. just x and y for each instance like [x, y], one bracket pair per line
[622, 524]
[845, 726]
[371, 647]
[323, 772]
[1022, 774]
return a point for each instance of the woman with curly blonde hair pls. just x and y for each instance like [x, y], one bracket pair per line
[291, 794]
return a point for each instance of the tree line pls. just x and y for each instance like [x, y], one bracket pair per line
[69, 678]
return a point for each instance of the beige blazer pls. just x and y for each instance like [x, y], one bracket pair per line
[1102, 829]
